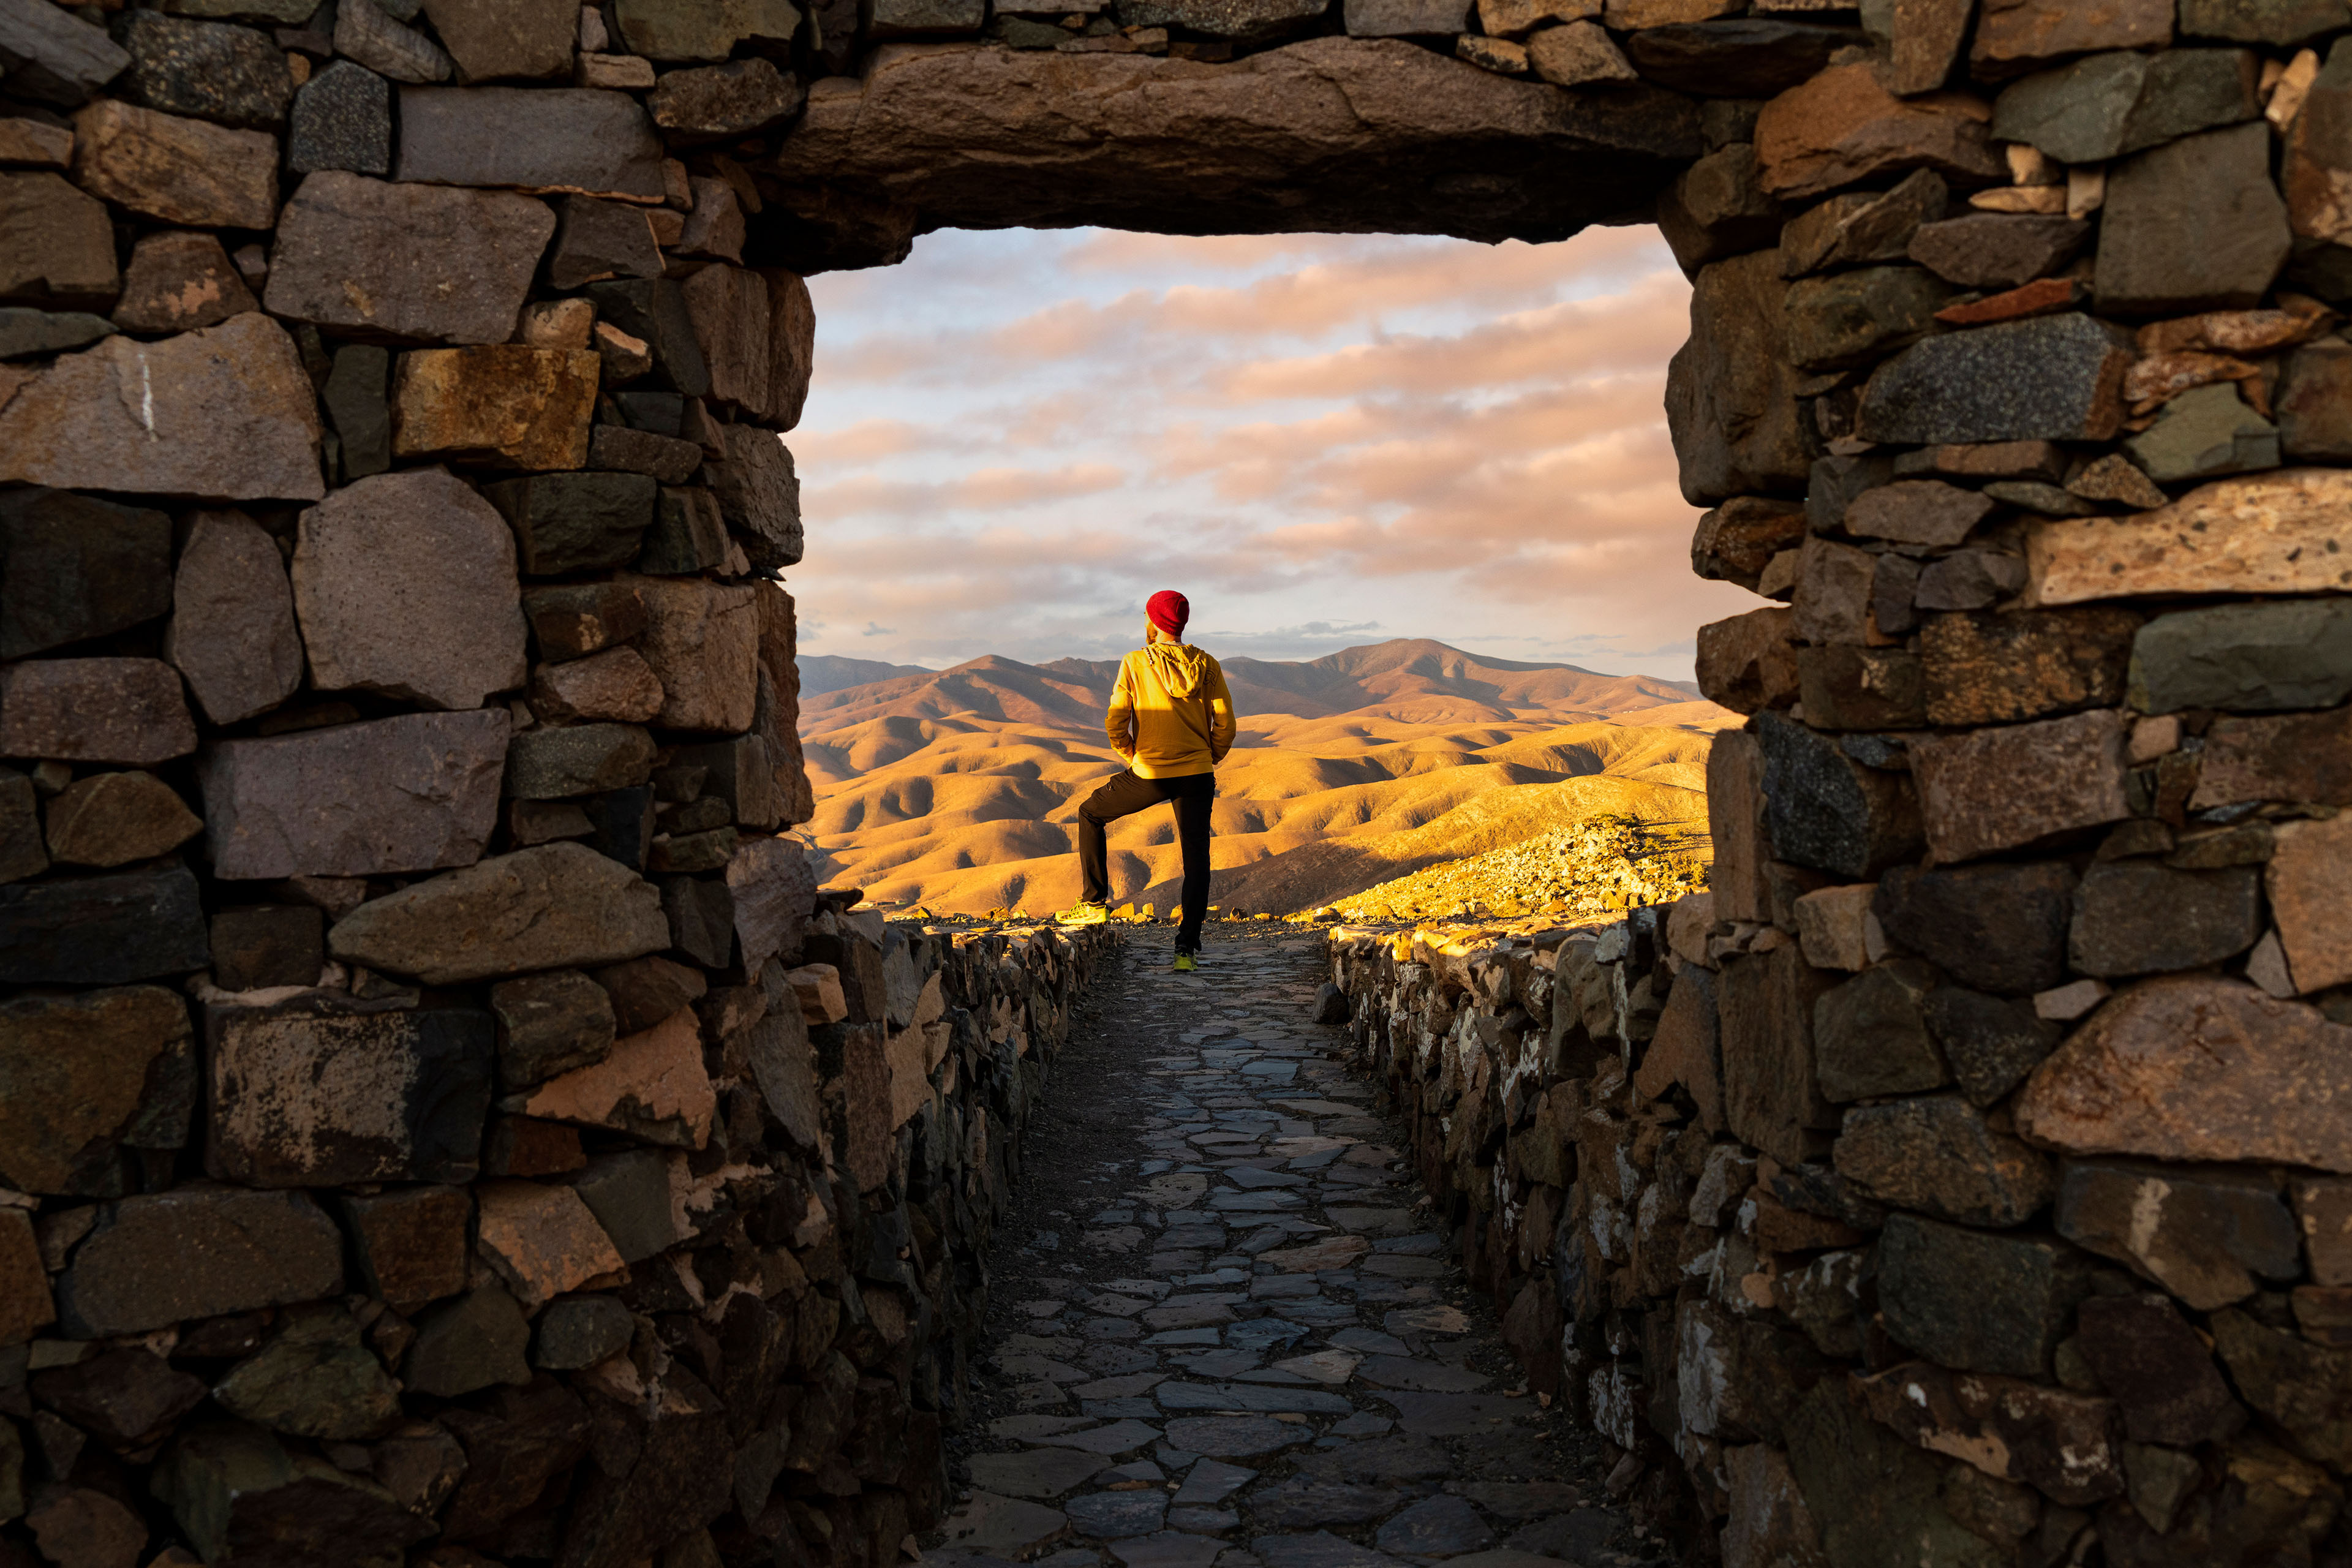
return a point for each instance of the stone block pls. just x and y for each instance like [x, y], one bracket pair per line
[474, 1343]
[2313, 172]
[24, 1305]
[124, 710]
[2196, 1067]
[1841, 127]
[1748, 662]
[2002, 788]
[1731, 400]
[573, 622]
[1406, 18]
[2105, 106]
[1997, 250]
[407, 263]
[313, 1379]
[2205, 1236]
[507, 403]
[365, 32]
[1847, 688]
[2060, 1442]
[102, 931]
[575, 522]
[274, 944]
[645, 991]
[652, 1085]
[520, 1146]
[2217, 185]
[2000, 668]
[232, 417]
[2323, 1208]
[179, 281]
[583, 140]
[1835, 926]
[549, 1024]
[1990, 1042]
[551, 906]
[57, 57]
[2014, 36]
[665, 30]
[714, 226]
[2305, 757]
[2246, 658]
[742, 774]
[341, 120]
[22, 852]
[622, 824]
[598, 239]
[655, 312]
[1581, 54]
[702, 912]
[494, 39]
[615, 684]
[1849, 319]
[26, 332]
[630, 1194]
[1916, 512]
[702, 642]
[2052, 378]
[2310, 899]
[581, 1331]
[689, 535]
[404, 585]
[542, 1240]
[666, 458]
[110, 820]
[736, 99]
[233, 76]
[771, 887]
[1863, 227]
[413, 793]
[1825, 810]
[1765, 1011]
[2204, 432]
[1715, 209]
[237, 1484]
[1738, 539]
[1871, 1038]
[1736, 57]
[2158, 1369]
[73, 567]
[2280, 22]
[759, 495]
[61, 243]
[2137, 917]
[174, 169]
[151, 1262]
[1993, 928]
[1975, 1300]
[82, 1076]
[567, 760]
[2264, 534]
[2312, 404]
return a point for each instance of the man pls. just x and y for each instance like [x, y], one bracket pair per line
[1171, 718]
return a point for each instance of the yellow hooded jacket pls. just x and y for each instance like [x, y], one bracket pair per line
[1170, 715]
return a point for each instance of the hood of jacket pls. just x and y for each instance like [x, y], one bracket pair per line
[1181, 667]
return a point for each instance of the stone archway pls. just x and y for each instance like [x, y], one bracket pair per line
[388, 433]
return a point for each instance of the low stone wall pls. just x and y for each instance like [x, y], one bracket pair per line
[1861, 1252]
[592, 1267]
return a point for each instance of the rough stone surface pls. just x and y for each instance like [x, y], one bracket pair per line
[1825, 810]
[2137, 917]
[2158, 1371]
[542, 1240]
[2000, 928]
[2313, 172]
[731, 99]
[702, 642]
[576, 522]
[1730, 393]
[615, 685]
[583, 140]
[77, 568]
[1977, 1301]
[1991, 669]
[102, 931]
[2192, 1067]
[551, 907]
[366, 32]
[77, 1072]
[110, 820]
[759, 495]
[651, 1085]
[1841, 127]
[1996, 251]
[124, 710]
[2308, 890]
[596, 240]
[1998, 789]
[179, 281]
[574, 622]
[413, 793]
[407, 263]
[1870, 1038]
[232, 417]
[151, 1262]
[557, 764]
[1992, 1043]
[2017, 35]
[175, 169]
[1765, 1005]
[232, 633]
[2305, 757]
[57, 57]
[1748, 663]
[341, 120]
[2216, 185]
[2205, 1236]
[59, 244]
[2268, 534]
[2204, 432]
[274, 944]
[231, 75]
[2054, 378]
[508, 38]
[473, 1343]
[2107, 105]
[507, 403]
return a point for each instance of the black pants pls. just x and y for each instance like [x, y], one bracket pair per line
[1125, 795]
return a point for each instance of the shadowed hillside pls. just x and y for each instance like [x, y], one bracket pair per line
[959, 788]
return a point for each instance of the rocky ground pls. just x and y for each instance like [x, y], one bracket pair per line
[1224, 1329]
[1589, 867]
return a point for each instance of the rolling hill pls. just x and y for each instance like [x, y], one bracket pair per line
[958, 789]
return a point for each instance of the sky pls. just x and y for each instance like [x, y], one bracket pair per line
[1013, 439]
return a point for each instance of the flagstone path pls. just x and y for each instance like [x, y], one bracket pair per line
[1223, 1328]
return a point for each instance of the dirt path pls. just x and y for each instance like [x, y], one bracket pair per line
[1224, 1329]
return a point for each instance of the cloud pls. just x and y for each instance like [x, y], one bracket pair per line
[874, 630]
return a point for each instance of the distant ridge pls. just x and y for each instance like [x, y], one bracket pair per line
[822, 672]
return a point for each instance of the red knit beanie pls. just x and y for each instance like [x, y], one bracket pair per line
[1169, 611]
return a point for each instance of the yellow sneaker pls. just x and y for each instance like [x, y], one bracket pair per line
[1186, 964]
[1083, 914]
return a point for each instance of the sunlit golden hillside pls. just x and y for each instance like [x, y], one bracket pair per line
[959, 789]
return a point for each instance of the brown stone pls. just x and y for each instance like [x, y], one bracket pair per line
[617, 684]
[1769, 1523]
[507, 403]
[1843, 127]
[1735, 542]
[75, 1074]
[406, 585]
[1848, 687]
[2305, 1388]
[232, 632]
[2065, 1444]
[759, 495]
[1997, 250]
[1734, 783]
[225, 413]
[24, 1305]
[551, 906]
[702, 643]
[2195, 1068]
[1731, 403]
[542, 1240]
[2158, 1369]
[733, 100]
[415, 792]
[1771, 1098]
[1748, 662]
[491, 39]
[1834, 585]
[570, 140]
[1917, 512]
[2313, 174]
[1989, 668]
[198, 1252]
[124, 710]
[410, 1243]
[2204, 1235]
[2014, 37]
[83, 1525]
[573, 622]
[645, 991]
[2322, 1207]
[2300, 757]
[1938, 1156]
[175, 169]
[652, 1085]
[179, 281]
[407, 263]
[114, 818]
[2309, 880]
[1998, 789]
[56, 245]
[1927, 35]
[35, 144]
[2277, 533]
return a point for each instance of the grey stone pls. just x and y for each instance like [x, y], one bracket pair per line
[1234, 1436]
[598, 239]
[1860, 227]
[73, 567]
[2137, 917]
[667, 30]
[575, 522]
[232, 75]
[1405, 18]
[412, 263]
[1917, 512]
[2054, 378]
[733, 100]
[127, 711]
[1320, 1550]
[1825, 810]
[416, 792]
[179, 281]
[1731, 403]
[629, 1194]
[357, 398]
[583, 140]
[26, 332]
[1990, 1042]
[701, 911]
[109, 930]
[341, 120]
[404, 585]
[1849, 319]
[237, 1483]
[689, 535]
[2206, 1233]
[1866, 1486]
[274, 944]
[1738, 56]
[1978, 1301]
[2202, 433]
[550, 907]
[1936, 1155]
[59, 248]
[759, 495]
[1441, 1526]
[1301, 1503]
[314, 1379]
[2104, 106]
[1997, 250]
[1717, 208]
[2314, 402]
[1117, 1515]
[232, 633]
[2257, 657]
[200, 1252]
[577, 1331]
[365, 33]
[2195, 224]
[474, 1343]
[54, 57]
[1247, 23]
[1967, 580]
[1871, 1037]
[491, 39]
[2000, 928]
[2280, 22]
[557, 764]
[381, 1097]
[654, 310]
[549, 1024]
